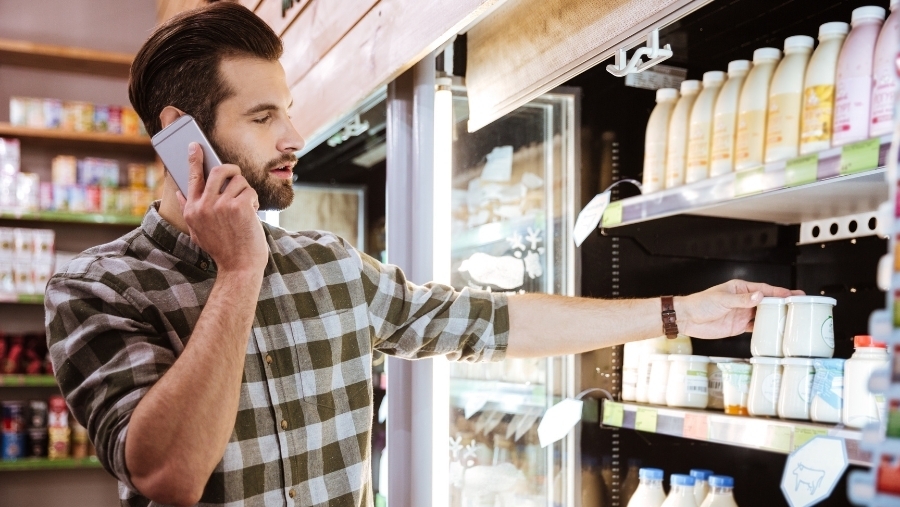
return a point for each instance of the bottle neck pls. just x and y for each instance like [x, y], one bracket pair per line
[679, 490]
[652, 483]
[720, 490]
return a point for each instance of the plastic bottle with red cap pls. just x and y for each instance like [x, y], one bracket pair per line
[861, 406]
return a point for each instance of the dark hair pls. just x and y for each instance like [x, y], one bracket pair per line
[179, 64]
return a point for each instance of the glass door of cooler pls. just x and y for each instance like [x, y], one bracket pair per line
[513, 205]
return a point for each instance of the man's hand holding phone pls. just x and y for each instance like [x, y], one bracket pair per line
[220, 212]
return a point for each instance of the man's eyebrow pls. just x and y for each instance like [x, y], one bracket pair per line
[264, 107]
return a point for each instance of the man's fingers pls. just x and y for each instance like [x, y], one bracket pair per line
[747, 300]
[767, 290]
[218, 176]
[195, 171]
[797, 293]
[181, 200]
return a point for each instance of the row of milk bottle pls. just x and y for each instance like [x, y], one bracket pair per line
[777, 108]
[699, 489]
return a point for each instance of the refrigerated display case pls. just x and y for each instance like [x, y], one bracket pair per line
[513, 201]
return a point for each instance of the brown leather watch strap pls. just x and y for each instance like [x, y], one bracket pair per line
[670, 328]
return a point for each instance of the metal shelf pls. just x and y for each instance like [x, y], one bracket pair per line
[66, 217]
[27, 381]
[773, 435]
[23, 464]
[835, 182]
[507, 397]
[22, 299]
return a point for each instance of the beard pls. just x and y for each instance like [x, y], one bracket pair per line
[273, 194]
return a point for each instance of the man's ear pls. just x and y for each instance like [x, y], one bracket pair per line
[169, 114]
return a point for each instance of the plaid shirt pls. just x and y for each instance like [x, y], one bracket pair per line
[120, 314]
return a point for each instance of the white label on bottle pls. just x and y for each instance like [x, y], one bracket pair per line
[851, 109]
[696, 382]
[630, 377]
[771, 387]
[804, 387]
[715, 384]
[828, 332]
[883, 104]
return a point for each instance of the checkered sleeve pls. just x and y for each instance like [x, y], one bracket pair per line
[416, 321]
[105, 355]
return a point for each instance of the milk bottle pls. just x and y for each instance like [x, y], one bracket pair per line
[701, 123]
[682, 492]
[677, 142]
[818, 90]
[785, 103]
[853, 86]
[752, 108]
[649, 492]
[655, 140]
[725, 119]
[721, 493]
[884, 75]
[701, 484]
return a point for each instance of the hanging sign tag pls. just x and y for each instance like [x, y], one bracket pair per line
[558, 420]
[590, 217]
[812, 471]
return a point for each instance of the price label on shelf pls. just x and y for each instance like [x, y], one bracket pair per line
[803, 435]
[778, 438]
[613, 414]
[749, 182]
[696, 426]
[801, 170]
[645, 420]
[613, 214]
[861, 156]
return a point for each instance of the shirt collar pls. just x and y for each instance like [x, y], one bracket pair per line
[172, 240]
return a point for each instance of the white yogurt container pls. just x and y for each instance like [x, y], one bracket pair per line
[715, 380]
[768, 327]
[796, 388]
[688, 384]
[809, 329]
[765, 386]
[659, 379]
[861, 406]
[735, 387]
[647, 348]
[827, 391]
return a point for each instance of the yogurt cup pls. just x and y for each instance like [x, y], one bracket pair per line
[796, 388]
[715, 380]
[827, 391]
[735, 387]
[688, 384]
[765, 386]
[768, 327]
[659, 379]
[809, 328]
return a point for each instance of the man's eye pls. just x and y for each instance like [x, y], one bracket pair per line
[263, 120]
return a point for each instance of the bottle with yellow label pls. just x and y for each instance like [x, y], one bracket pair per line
[725, 119]
[677, 142]
[818, 89]
[752, 109]
[701, 124]
[785, 104]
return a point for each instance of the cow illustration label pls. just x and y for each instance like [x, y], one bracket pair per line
[812, 471]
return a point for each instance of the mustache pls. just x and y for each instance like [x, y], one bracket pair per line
[288, 158]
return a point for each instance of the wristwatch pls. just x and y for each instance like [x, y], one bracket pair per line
[670, 328]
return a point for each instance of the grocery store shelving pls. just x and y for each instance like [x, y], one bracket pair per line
[65, 58]
[831, 183]
[137, 145]
[22, 299]
[24, 464]
[507, 397]
[18, 380]
[71, 217]
[773, 435]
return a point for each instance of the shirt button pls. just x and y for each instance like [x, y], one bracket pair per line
[283, 424]
[204, 264]
[268, 359]
[291, 493]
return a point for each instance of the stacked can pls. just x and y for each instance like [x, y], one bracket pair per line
[37, 429]
[13, 436]
[58, 429]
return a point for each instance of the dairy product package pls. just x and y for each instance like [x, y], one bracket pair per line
[655, 140]
[701, 125]
[677, 140]
[816, 119]
[753, 108]
[853, 84]
[884, 75]
[725, 119]
[785, 100]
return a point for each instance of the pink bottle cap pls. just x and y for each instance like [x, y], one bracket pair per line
[867, 12]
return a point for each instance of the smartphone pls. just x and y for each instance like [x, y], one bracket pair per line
[171, 143]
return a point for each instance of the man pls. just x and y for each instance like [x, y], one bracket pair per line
[217, 360]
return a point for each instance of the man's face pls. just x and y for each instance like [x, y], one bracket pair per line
[253, 130]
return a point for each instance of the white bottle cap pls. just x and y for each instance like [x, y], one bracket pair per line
[835, 28]
[690, 86]
[740, 66]
[664, 94]
[798, 42]
[867, 12]
[713, 78]
[763, 54]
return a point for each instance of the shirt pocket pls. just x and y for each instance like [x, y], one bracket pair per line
[334, 354]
